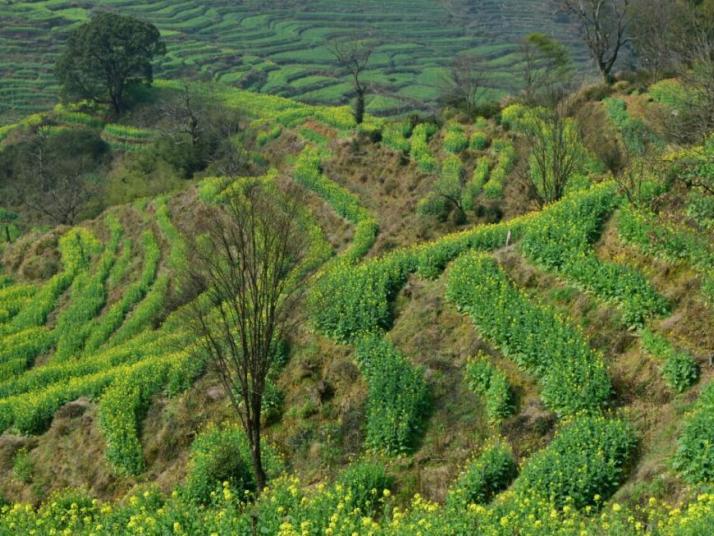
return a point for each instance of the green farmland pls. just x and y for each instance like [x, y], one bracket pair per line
[279, 47]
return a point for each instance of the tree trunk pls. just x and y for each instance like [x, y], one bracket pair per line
[359, 107]
[255, 444]
[256, 454]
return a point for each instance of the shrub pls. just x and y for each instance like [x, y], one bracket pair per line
[217, 457]
[484, 477]
[680, 370]
[222, 454]
[455, 140]
[694, 458]
[365, 482]
[479, 140]
[420, 146]
[22, 466]
[490, 383]
[585, 463]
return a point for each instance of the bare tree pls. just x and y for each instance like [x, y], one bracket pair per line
[658, 29]
[353, 56]
[57, 186]
[463, 87]
[199, 131]
[547, 69]
[604, 24]
[555, 151]
[247, 261]
[638, 173]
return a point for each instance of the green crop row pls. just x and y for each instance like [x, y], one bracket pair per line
[76, 247]
[38, 378]
[680, 370]
[583, 465]
[31, 411]
[290, 508]
[88, 296]
[476, 183]
[350, 300]
[636, 135]
[676, 244]
[486, 380]
[121, 266]
[178, 258]
[484, 477]
[124, 403]
[103, 327]
[264, 136]
[694, 458]
[307, 171]
[420, 146]
[479, 140]
[455, 140]
[563, 243]
[12, 299]
[144, 313]
[505, 160]
[573, 377]
[397, 398]
[395, 134]
[25, 345]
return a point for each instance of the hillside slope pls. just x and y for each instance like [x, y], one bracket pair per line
[575, 339]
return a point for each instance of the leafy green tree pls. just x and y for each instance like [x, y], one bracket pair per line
[108, 55]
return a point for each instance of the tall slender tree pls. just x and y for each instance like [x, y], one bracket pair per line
[246, 262]
[353, 56]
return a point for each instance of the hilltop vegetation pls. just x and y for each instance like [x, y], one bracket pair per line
[506, 325]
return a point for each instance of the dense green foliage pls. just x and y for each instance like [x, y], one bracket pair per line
[583, 465]
[106, 57]
[492, 385]
[488, 474]
[397, 396]
[694, 459]
[680, 370]
[563, 243]
[217, 457]
[573, 377]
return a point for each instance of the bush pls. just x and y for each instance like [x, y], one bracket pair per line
[489, 382]
[583, 465]
[694, 459]
[487, 475]
[217, 456]
[479, 141]
[455, 140]
[420, 146]
[22, 466]
[680, 370]
[365, 482]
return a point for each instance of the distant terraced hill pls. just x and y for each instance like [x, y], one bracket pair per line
[279, 46]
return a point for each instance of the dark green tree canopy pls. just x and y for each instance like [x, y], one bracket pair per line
[106, 56]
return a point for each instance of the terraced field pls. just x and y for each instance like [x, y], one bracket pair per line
[279, 47]
[581, 332]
